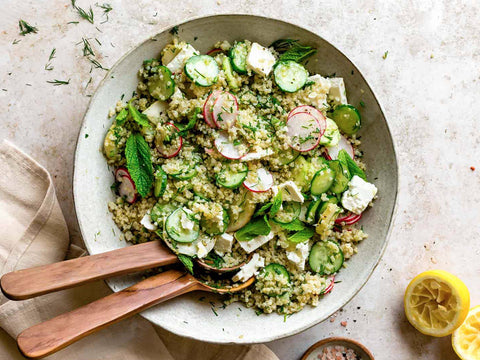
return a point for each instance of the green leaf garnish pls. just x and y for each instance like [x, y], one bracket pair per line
[276, 203]
[139, 163]
[256, 227]
[295, 225]
[302, 235]
[122, 116]
[26, 28]
[136, 115]
[351, 165]
[187, 262]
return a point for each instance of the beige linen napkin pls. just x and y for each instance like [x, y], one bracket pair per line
[33, 232]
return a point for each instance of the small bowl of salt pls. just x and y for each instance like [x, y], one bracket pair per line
[337, 348]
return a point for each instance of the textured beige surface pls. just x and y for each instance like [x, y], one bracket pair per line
[428, 86]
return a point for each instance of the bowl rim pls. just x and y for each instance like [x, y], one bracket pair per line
[392, 214]
[337, 339]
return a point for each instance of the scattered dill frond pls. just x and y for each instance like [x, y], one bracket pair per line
[174, 30]
[59, 82]
[26, 28]
[385, 55]
[96, 64]
[87, 48]
[15, 42]
[106, 9]
[87, 15]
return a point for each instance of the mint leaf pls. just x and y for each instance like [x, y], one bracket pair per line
[187, 262]
[302, 235]
[139, 163]
[276, 203]
[291, 50]
[122, 116]
[136, 115]
[295, 225]
[352, 166]
[263, 209]
[192, 120]
[256, 227]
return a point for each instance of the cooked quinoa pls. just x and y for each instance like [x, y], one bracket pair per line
[237, 153]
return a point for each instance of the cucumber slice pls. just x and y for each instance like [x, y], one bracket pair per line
[160, 183]
[347, 119]
[276, 269]
[322, 181]
[342, 177]
[181, 168]
[290, 76]
[332, 135]
[238, 55]
[175, 226]
[161, 85]
[231, 179]
[187, 174]
[289, 212]
[227, 69]
[288, 156]
[326, 257]
[202, 69]
[161, 211]
[213, 227]
[331, 200]
[311, 215]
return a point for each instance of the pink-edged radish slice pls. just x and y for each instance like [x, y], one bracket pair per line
[126, 189]
[225, 110]
[312, 111]
[214, 51]
[303, 131]
[329, 287]
[343, 144]
[229, 149]
[171, 143]
[207, 108]
[259, 181]
[349, 219]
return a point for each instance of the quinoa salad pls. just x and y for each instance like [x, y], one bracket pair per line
[242, 158]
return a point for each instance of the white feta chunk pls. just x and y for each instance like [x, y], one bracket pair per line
[147, 222]
[260, 59]
[157, 111]
[249, 269]
[201, 250]
[252, 245]
[200, 247]
[299, 255]
[224, 243]
[186, 221]
[337, 91]
[358, 195]
[257, 155]
[178, 62]
[290, 191]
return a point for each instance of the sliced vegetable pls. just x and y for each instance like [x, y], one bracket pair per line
[160, 183]
[214, 52]
[168, 140]
[160, 212]
[342, 177]
[259, 181]
[214, 226]
[208, 106]
[238, 55]
[312, 111]
[288, 213]
[277, 269]
[202, 69]
[326, 257]
[349, 219]
[343, 144]
[126, 188]
[332, 135]
[229, 76]
[322, 181]
[225, 110]
[231, 179]
[187, 174]
[290, 76]
[330, 285]
[331, 200]
[182, 226]
[248, 209]
[303, 131]
[311, 215]
[233, 150]
[288, 156]
[161, 85]
[347, 118]
[273, 270]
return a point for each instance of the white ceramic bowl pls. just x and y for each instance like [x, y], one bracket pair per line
[187, 316]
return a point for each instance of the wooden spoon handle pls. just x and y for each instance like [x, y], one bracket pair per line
[55, 334]
[28, 283]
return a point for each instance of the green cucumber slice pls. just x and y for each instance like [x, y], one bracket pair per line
[202, 69]
[347, 119]
[229, 76]
[331, 200]
[342, 177]
[311, 215]
[160, 212]
[212, 227]
[231, 179]
[322, 181]
[187, 174]
[238, 55]
[326, 257]
[288, 156]
[289, 212]
[176, 230]
[160, 182]
[332, 135]
[290, 76]
[277, 269]
[161, 85]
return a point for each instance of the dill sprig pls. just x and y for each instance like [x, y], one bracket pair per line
[26, 28]
[87, 48]
[96, 64]
[87, 15]
[48, 65]
[59, 82]
[15, 42]
[106, 9]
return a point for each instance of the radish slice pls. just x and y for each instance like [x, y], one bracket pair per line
[260, 181]
[171, 143]
[225, 110]
[207, 108]
[126, 188]
[343, 144]
[329, 286]
[304, 131]
[229, 149]
[312, 111]
[349, 219]
[214, 51]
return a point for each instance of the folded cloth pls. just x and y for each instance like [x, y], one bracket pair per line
[34, 233]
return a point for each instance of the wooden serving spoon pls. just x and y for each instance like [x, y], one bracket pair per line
[28, 283]
[55, 334]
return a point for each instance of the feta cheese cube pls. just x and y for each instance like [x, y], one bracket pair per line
[260, 59]
[178, 62]
[157, 111]
[358, 195]
[200, 247]
[299, 255]
[249, 269]
[201, 250]
[252, 245]
[185, 220]
[337, 91]
[223, 244]
[290, 191]
[257, 155]
[147, 222]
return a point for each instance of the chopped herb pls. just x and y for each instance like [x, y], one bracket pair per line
[86, 136]
[258, 312]
[106, 9]
[58, 82]
[26, 28]
[87, 48]
[73, 22]
[48, 66]
[195, 38]
[98, 42]
[362, 104]
[187, 262]
[385, 55]
[87, 15]
[213, 309]
[174, 30]
[15, 42]
[96, 64]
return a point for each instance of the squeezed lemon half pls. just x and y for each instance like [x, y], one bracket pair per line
[436, 302]
[466, 339]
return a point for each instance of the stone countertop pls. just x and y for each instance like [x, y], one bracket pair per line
[422, 60]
